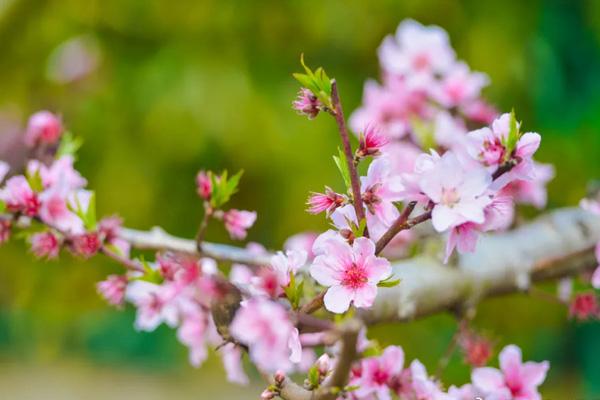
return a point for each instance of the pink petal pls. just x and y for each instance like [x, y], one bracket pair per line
[596, 278]
[528, 144]
[337, 299]
[378, 268]
[533, 373]
[363, 248]
[487, 379]
[365, 296]
[322, 273]
[444, 217]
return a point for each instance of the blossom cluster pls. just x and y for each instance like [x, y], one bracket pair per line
[432, 149]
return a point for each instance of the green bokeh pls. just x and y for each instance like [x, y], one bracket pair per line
[207, 84]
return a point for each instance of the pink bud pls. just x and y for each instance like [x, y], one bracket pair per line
[279, 377]
[584, 306]
[329, 201]
[204, 185]
[86, 245]
[43, 127]
[44, 245]
[371, 141]
[324, 364]
[113, 289]
[477, 349]
[307, 104]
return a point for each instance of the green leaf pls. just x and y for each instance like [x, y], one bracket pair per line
[88, 216]
[150, 275]
[224, 187]
[389, 282]
[317, 82]
[342, 164]
[35, 181]
[513, 136]
[313, 376]
[2, 206]
[69, 145]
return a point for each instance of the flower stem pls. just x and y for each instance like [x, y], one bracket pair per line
[338, 114]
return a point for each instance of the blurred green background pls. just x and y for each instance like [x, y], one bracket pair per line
[184, 85]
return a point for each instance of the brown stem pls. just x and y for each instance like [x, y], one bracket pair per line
[208, 212]
[395, 228]
[338, 114]
[314, 304]
[126, 262]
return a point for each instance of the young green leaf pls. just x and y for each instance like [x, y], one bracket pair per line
[342, 164]
[389, 282]
[35, 181]
[69, 145]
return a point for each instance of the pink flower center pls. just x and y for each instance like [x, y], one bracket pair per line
[354, 277]
[450, 197]
[421, 62]
[380, 376]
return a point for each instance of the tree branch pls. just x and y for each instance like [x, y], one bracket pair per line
[556, 245]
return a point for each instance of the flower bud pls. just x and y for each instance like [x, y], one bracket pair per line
[307, 104]
[44, 245]
[204, 185]
[43, 128]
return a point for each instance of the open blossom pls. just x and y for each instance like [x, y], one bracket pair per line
[328, 201]
[459, 86]
[417, 52]
[377, 374]
[237, 222]
[19, 197]
[112, 289]
[154, 304]
[307, 104]
[204, 185]
[43, 127]
[351, 273]
[371, 141]
[415, 383]
[488, 145]
[514, 380]
[44, 245]
[380, 189]
[192, 333]
[301, 242]
[457, 191]
[585, 306]
[532, 191]
[265, 327]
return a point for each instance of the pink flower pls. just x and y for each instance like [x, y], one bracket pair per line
[350, 272]
[465, 392]
[514, 381]
[301, 242]
[265, 327]
[417, 52]
[328, 202]
[85, 245]
[458, 192]
[459, 86]
[380, 189]
[584, 306]
[5, 230]
[488, 146]
[154, 305]
[19, 197]
[378, 373]
[307, 104]
[231, 355]
[388, 107]
[43, 127]
[113, 289]
[371, 140]
[238, 222]
[415, 383]
[287, 264]
[204, 185]
[480, 111]
[44, 245]
[60, 172]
